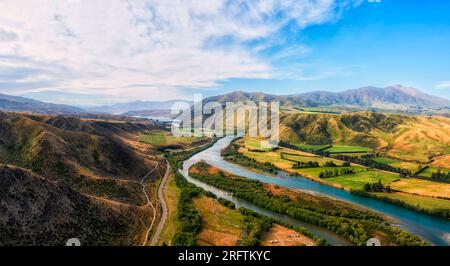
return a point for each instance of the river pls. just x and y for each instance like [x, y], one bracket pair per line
[433, 229]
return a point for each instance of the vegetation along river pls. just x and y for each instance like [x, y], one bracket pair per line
[433, 229]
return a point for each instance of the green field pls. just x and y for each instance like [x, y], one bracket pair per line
[315, 110]
[162, 138]
[413, 167]
[358, 180]
[347, 149]
[256, 144]
[430, 170]
[310, 147]
[351, 181]
[302, 158]
[275, 158]
[424, 202]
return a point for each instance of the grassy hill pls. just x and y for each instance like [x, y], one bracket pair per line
[405, 137]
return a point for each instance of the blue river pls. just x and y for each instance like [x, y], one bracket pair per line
[433, 229]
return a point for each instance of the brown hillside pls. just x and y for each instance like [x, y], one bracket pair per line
[411, 138]
[37, 211]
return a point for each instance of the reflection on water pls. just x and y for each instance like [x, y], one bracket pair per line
[434, 229]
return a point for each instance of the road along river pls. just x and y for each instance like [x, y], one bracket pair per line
[433, 229]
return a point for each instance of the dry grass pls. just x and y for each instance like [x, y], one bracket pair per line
[221, 226]
[442, 161]
[422, 187]
[281, 236]
[421, 138]
[280, 191]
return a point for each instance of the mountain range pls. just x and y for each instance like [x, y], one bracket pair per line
[20, 104]
[122, 108]
[392, 98]
[389, 98]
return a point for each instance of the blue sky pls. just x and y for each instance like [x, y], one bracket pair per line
[100, 52]
[380, 44]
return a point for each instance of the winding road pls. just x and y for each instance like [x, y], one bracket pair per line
[149, 203]
[162, 200]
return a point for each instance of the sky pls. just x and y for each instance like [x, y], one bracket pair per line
[98, 52]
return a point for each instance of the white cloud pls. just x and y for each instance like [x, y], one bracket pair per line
[143, 48]
[443, 85]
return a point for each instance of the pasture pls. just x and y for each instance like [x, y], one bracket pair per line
[163, 138]
[423, 202]
[359, 179]
[221, 226]
[422, 187]
[347, 149]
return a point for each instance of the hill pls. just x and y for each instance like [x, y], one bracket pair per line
[96, 157]
[122, 108]
[21, 104]
[64, 177]
[389, 98]
[36, 211]
[393, 97]
[412, 138]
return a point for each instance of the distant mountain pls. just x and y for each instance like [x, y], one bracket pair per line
[20, 104]
[392, 97]
[122, 108]
[389, 98]
[150, 113]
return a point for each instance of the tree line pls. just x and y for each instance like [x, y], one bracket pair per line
[336, 172]
[440, 175]
[365, 160]
[352, 224]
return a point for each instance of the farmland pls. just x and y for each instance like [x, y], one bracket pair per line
[418, 190]
[347, 149]
[351, 222]
[385, 160]
[423, 188]
[358, 180]
[430, 170]
[415, 200]
[307, 147]
[281, 236]
[407, 138]
[221, 226]
[257, 144]
[164, 138]
[351, 181]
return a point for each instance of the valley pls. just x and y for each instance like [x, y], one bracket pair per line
[381, 174]
[432, 229]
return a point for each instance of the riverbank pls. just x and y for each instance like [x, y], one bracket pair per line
[356, 226]
[441, 208]
[433, 229]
